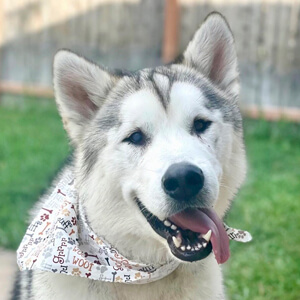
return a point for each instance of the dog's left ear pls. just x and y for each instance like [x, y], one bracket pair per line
[212, 53]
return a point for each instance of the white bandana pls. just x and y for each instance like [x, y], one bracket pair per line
[59, 240]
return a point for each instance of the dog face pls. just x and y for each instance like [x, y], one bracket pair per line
[162, 144]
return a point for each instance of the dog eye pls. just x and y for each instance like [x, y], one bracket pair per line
[201, 125]
[136, 138]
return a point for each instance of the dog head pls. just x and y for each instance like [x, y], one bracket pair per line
[163, 145]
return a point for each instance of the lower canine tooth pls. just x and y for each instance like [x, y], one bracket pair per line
[176, 241]
[167, 223]
[182, 248]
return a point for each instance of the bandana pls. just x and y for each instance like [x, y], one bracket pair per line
[59, 240]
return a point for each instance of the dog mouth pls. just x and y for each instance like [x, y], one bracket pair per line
[192, 234]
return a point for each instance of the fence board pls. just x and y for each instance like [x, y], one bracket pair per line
[129, 34]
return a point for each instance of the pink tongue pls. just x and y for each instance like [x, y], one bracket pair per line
[202, 220]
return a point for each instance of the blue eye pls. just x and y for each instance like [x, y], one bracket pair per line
[136, 138]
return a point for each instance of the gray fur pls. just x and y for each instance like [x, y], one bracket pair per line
[94, 102]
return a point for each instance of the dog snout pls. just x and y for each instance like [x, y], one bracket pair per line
[183, 181]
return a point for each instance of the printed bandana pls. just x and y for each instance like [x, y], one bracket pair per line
[59, 240]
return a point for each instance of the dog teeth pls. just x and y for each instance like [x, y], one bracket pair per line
[177, 241]
[207, 235]
[160, 219]
[167, 223]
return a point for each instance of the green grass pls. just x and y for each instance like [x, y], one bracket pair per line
[33, 145]
[268, 206]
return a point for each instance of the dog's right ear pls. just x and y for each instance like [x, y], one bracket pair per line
[80, 89]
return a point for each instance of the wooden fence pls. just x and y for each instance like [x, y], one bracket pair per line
[130, 34]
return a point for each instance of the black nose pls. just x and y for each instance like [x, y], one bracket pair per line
[183, 181]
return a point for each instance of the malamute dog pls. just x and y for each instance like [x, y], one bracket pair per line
[159, 156]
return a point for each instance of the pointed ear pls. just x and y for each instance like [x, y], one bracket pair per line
[212, 53]
[80, 89]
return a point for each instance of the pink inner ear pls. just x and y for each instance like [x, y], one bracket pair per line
[218, 64]
[78, 98]
[82, 102]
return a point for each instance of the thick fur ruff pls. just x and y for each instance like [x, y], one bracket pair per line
[101, 110]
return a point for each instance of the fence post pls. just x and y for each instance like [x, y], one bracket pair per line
[171, 24]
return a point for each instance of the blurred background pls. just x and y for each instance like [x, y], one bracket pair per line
[134, 34]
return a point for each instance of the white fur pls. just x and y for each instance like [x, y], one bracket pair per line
[171, 142]
[122, 171]
[194, 281]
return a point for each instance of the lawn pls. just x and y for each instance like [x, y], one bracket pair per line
[33, 146]
[268, 206]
